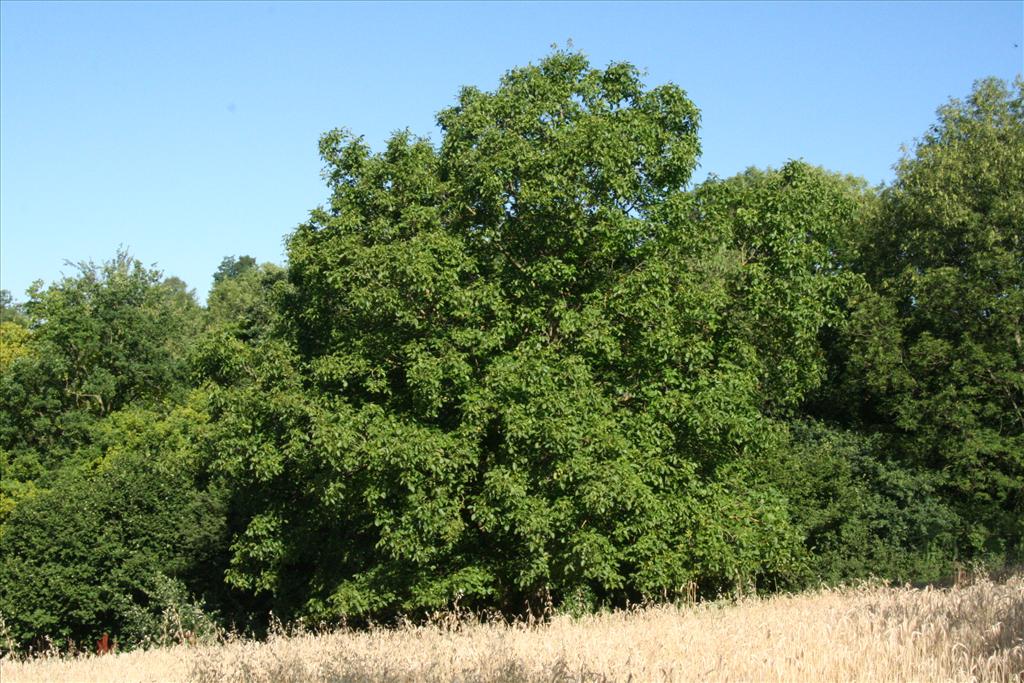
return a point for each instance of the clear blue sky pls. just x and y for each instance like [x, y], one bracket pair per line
[188, 132]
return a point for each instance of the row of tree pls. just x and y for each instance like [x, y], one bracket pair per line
[532, 365]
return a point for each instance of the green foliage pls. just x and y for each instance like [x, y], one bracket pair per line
[936, 345]
[170, 616]
[85, 556]
[116, 332]
[232, 267]
[13, 343]
[10, 311]
[860, 511]
[529, 366]
[783, 228]
[114, 335]
[96, 493]
[242, 301]
[528, 363]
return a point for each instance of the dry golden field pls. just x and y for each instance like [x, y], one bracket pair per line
[969, 633]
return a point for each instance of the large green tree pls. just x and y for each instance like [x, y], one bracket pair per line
[110, 336]
[935, 345]
[528, 363]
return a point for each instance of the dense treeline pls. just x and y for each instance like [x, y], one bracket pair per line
[531, 365]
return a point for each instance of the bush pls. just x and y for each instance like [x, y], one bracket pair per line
[93, 553]
[861, 512]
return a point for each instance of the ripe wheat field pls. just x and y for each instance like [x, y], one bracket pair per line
[870, 633]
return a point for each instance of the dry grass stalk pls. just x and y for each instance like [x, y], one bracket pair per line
[966, 633]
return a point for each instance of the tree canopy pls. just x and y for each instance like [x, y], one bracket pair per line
[114, 335]
[528, 361]
[531, 365]
[936, 345]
